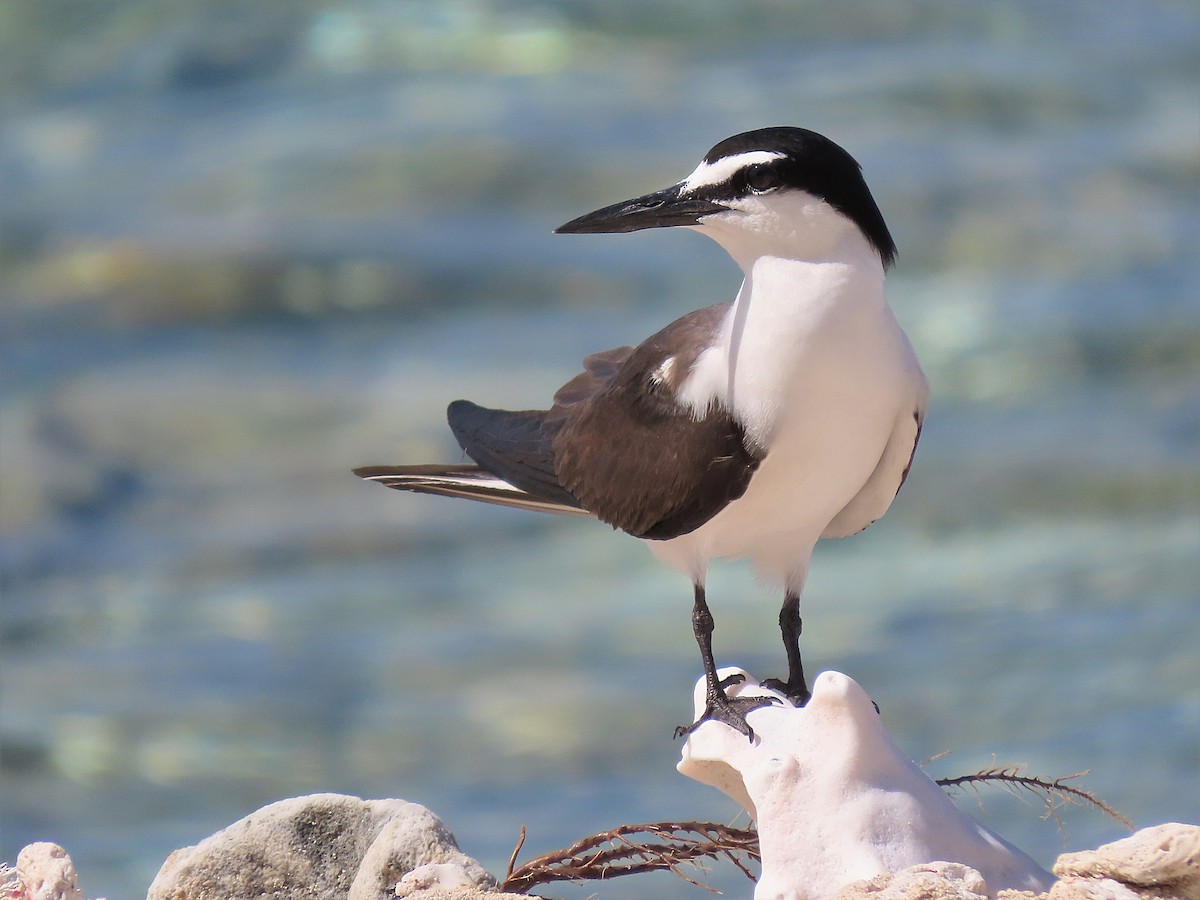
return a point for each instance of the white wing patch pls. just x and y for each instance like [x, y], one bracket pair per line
[707, 173]
[662, 374]
[707, 382]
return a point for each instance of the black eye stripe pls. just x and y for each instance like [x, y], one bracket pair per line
[761, 177]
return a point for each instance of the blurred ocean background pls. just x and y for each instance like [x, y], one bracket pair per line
[247, 246]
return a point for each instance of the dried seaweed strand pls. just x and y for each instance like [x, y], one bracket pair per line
[617, 852]
[1056, 789]
[512, 860]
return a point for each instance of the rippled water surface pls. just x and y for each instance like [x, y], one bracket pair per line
[242, 251]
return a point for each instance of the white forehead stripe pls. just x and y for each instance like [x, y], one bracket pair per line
[714, 173]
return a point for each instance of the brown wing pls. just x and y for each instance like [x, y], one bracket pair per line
[615, 443]
[639, 460]
[599, 371]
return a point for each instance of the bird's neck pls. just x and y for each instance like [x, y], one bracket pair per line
[794, 321]
[799, 228]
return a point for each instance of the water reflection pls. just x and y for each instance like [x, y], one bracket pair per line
[239, 255]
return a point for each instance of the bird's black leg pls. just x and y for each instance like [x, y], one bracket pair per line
[795, 688]
[718, 706]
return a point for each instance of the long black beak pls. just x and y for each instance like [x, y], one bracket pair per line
[662, 209]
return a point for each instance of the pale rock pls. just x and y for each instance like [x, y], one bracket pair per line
[446, 876]
[928, 881]
[47, 873]
[835, 801]
[319, 847]
[1092, 889]
[1163, 861]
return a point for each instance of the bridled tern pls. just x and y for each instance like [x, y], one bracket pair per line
[749, 429]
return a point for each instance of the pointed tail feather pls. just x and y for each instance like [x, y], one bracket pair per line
[469, 482]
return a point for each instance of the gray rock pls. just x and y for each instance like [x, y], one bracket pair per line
[319, 847]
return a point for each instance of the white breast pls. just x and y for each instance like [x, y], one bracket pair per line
[816, 369]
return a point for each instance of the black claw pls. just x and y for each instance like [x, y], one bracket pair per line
[799, 694]
[729, 711]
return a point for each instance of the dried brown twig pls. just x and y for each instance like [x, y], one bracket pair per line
[666, 846]
[630, 849]
[1051, 791]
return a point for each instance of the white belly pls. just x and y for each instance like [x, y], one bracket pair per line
[813, 469]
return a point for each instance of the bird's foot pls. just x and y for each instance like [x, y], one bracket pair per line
[731, 711]
[798, 694]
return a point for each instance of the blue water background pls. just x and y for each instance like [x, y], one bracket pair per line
[244, 248]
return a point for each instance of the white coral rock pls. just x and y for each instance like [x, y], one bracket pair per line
[835, 800]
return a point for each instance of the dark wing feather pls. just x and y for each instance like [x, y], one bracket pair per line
[919, 418]
[469, 482]
[513, 449]
[512, 445]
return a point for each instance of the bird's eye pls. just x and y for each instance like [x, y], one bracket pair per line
[762, 178]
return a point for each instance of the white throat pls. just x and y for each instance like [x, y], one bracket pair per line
[791, 225]
[795, 322]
